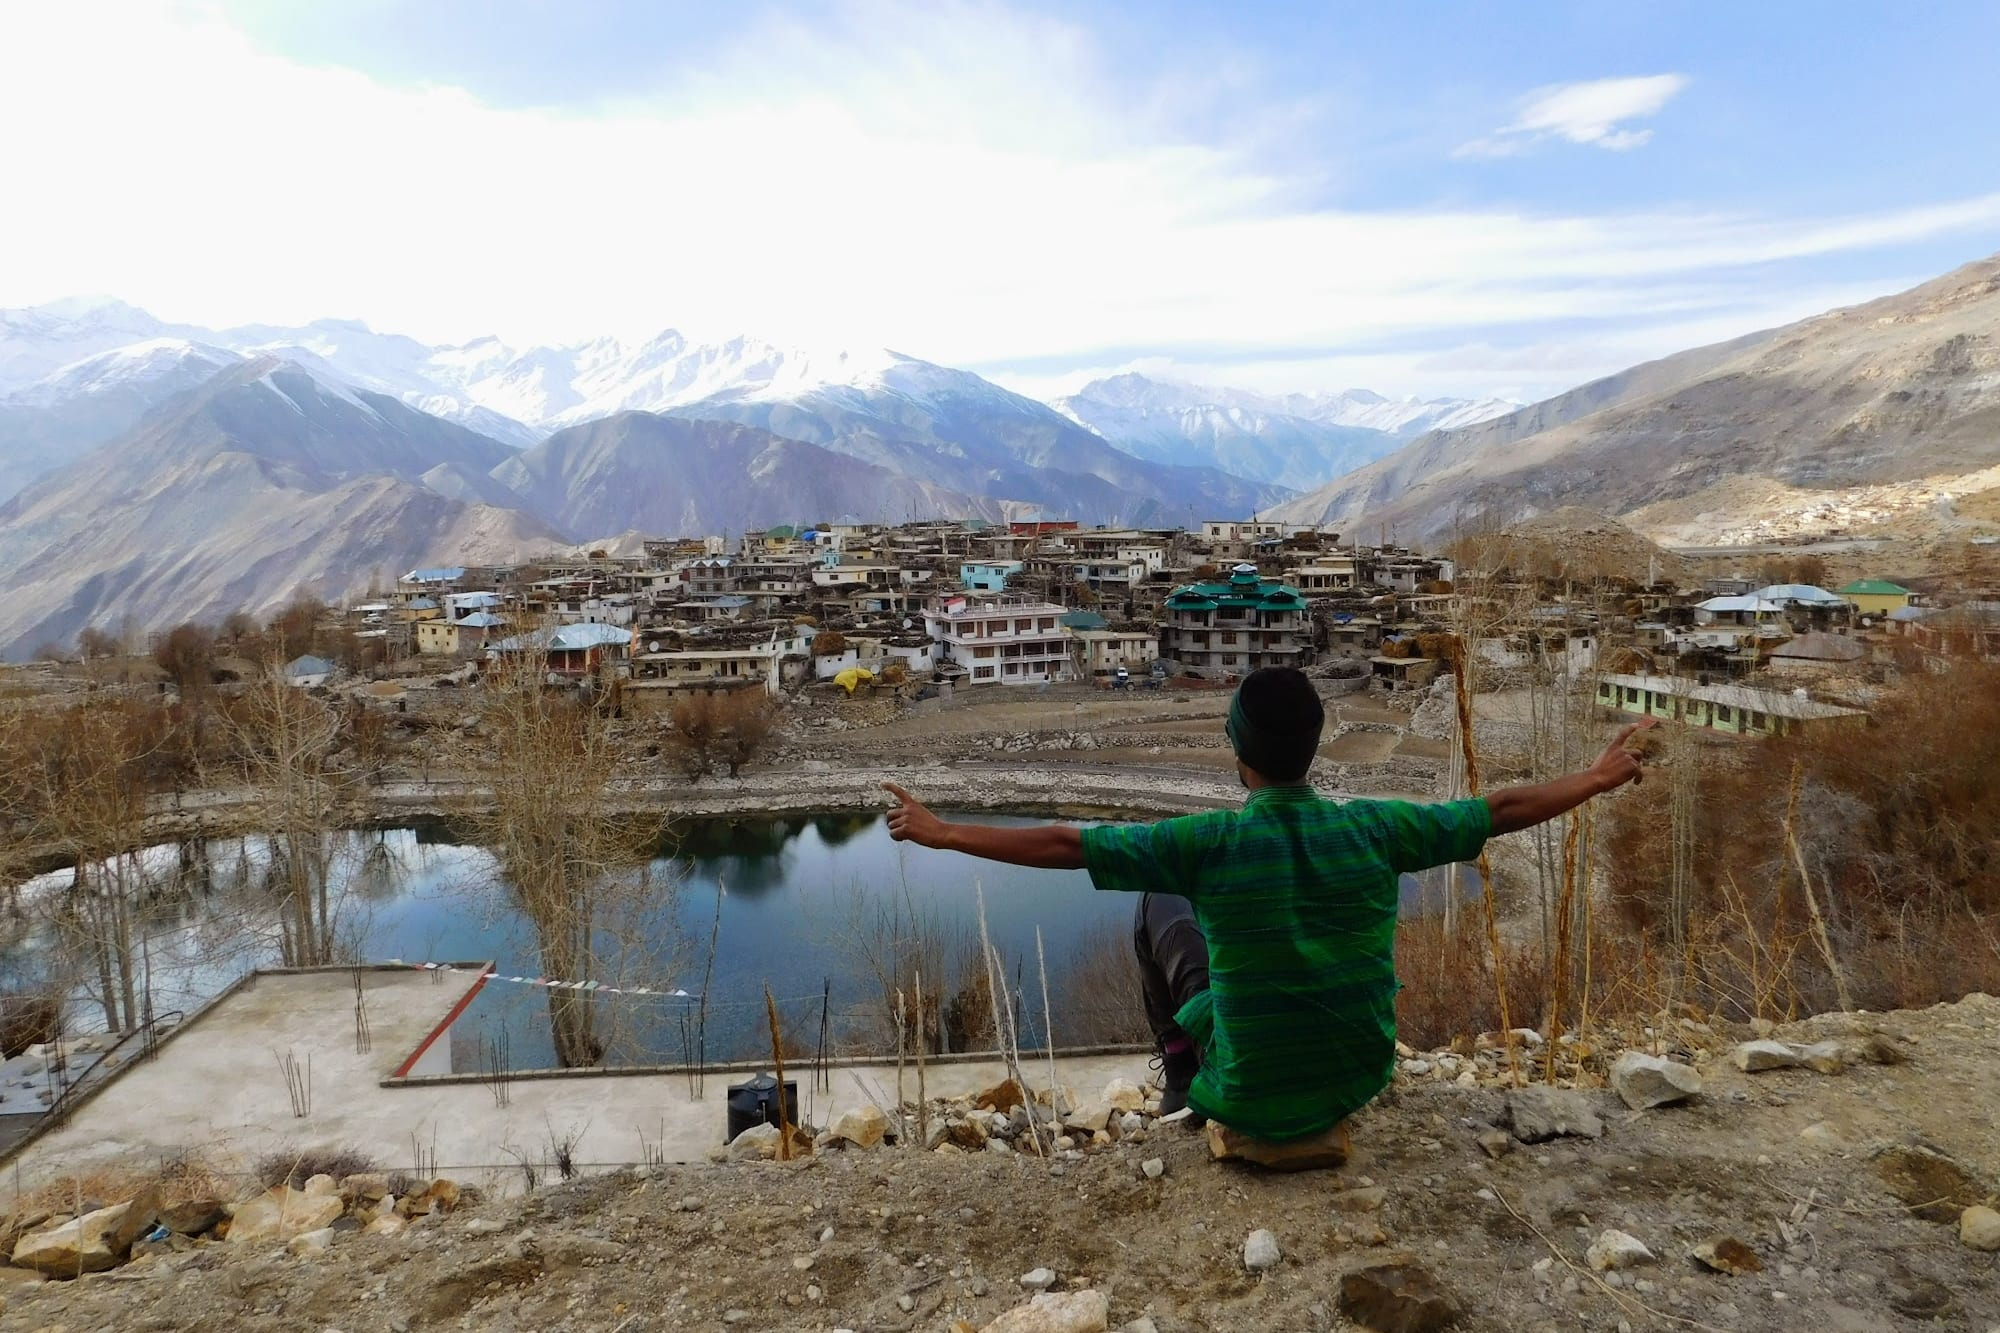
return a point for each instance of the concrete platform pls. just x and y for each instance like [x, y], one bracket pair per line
[216, 1090]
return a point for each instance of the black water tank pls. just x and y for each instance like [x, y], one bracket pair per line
[755, 1102]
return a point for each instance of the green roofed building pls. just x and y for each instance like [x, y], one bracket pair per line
[1875, 597]
[1230, 627]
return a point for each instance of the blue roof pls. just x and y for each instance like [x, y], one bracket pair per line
[1797, 592]
[442, 574]
[480, 620]
[422, 604]
[308, 665]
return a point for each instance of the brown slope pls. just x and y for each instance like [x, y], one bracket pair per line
[1904, 387]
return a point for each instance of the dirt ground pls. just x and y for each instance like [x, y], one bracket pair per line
[898, 1239]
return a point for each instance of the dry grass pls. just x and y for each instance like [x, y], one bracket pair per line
[1095, 990]
[179, 1179]
[295, 1167]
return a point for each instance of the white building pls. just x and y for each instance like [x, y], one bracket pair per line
[999, 638]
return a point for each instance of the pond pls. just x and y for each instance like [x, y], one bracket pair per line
[826, 911]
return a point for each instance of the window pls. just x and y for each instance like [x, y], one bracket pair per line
[1023, 626]
[983, 673]
[1047, 623]
[1723, 713]
[1229, 637]
[984, 651]
[1013, 668]
[1229, 659]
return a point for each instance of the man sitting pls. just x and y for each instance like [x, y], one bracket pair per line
[1267, 934]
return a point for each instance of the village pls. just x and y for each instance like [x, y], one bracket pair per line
[923, 610]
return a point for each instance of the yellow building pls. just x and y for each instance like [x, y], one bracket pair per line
[1873, 597]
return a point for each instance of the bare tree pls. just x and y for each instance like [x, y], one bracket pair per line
[288, 745]
[577, 865]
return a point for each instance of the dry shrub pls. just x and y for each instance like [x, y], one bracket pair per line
[1095, 990]
[296, 1166]
[727, 730]
[1447, 984]
[179, 1178]
[1897, 824]
[28, 1019]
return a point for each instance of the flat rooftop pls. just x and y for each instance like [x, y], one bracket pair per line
[216, 1088]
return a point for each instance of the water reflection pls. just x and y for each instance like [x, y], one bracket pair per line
[826, 910]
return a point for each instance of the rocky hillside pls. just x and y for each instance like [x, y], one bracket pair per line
[262, 482]
[1837, 1174]
[1899, 389]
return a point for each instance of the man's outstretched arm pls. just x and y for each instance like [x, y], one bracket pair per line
[1517, 808]
[1045, 846]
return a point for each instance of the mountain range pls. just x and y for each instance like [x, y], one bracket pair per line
[1295, 440]
[1894, 390]
[158, 472]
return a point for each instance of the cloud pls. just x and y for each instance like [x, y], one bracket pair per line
[1582, 113]
[958, 181]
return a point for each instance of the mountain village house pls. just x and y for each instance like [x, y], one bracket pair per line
[1003, 638]
[1231, 627]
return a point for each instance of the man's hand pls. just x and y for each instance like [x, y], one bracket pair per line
[911, 821]
[1622, 761]
[1049, 846]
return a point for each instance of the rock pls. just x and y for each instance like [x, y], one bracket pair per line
[1038, 1279]
[1495, 1143]
[1131, 1123]
[1143, 1324]
[1822, 1057]
[1644, 1081]
[1876, 1049]
[1726, 1254]
[1090, 1117]
[196, 1217]
[1153, 1168]
[1615, 1249]
[281, 1213]
[1539, 1113]
[967, 1132]
[1360, 1200]
[1123, 1095]
[1002, 1096]
[311, 1242]
[1936, 1188]
[1979, 1227]
[1057, 1312]
[485, 1226]
[1260, 1251]
[1921, 1298]
[1753, 1057]
[386, 1225]
[1326, 1149]
[368, 1186]
[1396, 1298]
[865, 1127]
[759, 1143]
[87, 1244]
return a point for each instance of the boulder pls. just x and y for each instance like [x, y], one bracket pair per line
[388, 1224]
[322, 1184]
[195, 1217]
[1617, 1249]
[1644, 1081]
[968, 1132]
[1754, 1057]
[1936, 1188]
[1366, 1200]
[1002, 1096]
[1123, 1095]
[1726, 1254]
[1090, 1117]
[367, 1186]
[1326, 1149]
[1260, 1251]
[1038, 1279]
[311, 1242]
[86, 1244]
[1823, 1057]
[1057, 1312]
[1396, 1298]
[1979, 1227]
[864, 1127]
[1538, 1113]
[281, 1213]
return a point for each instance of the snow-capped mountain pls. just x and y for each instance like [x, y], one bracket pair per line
[1294, 440]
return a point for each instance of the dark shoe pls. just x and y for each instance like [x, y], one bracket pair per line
[1177, 1062]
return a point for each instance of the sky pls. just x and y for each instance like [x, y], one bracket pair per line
[1444, 198]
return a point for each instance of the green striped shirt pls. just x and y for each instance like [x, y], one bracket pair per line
[1297, 896]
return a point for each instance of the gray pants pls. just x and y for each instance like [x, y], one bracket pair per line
[1173, 958]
